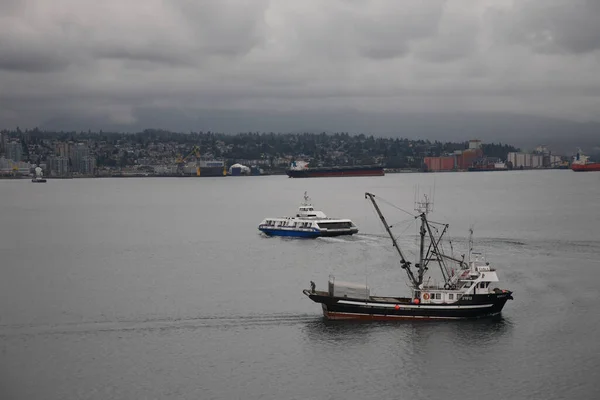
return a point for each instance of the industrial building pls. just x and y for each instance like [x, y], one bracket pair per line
[460, 160]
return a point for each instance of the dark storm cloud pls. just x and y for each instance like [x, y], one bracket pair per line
[109, 62]
[33, 61]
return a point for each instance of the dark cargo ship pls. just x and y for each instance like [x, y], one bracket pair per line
[322, 172]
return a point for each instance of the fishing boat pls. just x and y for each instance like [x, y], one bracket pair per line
[466, 291]
[307, 222]
[582, 163]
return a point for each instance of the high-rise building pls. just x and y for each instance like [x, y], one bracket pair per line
[14, 151]
[58, 166]
[78, 153]
[88, 165]
[62, 149]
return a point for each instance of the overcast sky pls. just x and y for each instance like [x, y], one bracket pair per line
[117, 62]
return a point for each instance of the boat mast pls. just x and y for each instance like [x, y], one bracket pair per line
[423, 208]
[403, 263]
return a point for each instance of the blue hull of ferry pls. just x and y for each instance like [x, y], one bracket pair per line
[280, 232]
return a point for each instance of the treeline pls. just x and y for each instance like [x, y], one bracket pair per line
[325, 149]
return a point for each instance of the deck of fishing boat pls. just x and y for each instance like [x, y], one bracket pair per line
[371, 298]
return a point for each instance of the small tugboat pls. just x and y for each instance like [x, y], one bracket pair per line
[38, 176]
[464, 293]
[307, 222]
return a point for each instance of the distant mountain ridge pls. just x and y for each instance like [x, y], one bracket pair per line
[523, 131]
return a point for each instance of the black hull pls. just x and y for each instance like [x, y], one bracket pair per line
[478, 306]
[353, 171]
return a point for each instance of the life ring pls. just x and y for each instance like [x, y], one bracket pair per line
[426, 296]
[447, 286]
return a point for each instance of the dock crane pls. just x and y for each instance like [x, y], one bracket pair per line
[180, 161]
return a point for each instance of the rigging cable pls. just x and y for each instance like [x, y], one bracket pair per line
[396, 207]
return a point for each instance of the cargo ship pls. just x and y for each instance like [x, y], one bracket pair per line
[300, 169]
[582, 163]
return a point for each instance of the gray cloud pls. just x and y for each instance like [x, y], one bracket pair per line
[553, 26]
[110, 62]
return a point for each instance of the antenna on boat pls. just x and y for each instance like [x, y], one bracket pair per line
[306, 199]
[424, 206]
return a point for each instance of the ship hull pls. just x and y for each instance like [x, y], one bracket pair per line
[307, 234]
[479, 306]
[335, 172]
[585, 167]
[485, 169]
[212, 171]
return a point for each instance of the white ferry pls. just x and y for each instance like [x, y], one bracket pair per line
[307, 222]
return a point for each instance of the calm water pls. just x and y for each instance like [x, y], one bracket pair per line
[164, 289]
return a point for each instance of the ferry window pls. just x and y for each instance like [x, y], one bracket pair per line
[451, 296]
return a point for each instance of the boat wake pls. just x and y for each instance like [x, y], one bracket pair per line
[155, 324]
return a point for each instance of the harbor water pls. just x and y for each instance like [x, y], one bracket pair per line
[163, 288]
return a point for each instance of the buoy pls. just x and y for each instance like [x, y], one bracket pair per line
[397, 307]
[417, 301]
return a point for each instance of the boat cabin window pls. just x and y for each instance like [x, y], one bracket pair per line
[451, 296]
[335, 225]
[438, 296]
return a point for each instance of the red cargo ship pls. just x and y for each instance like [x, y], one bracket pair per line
[582, 163]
